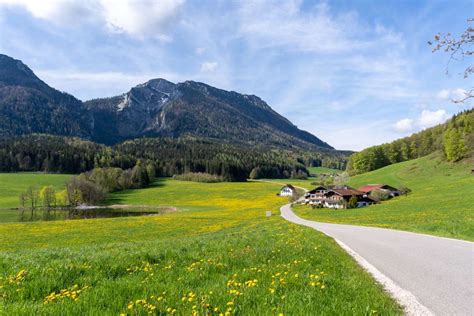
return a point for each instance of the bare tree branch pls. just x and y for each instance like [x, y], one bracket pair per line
[460, 49]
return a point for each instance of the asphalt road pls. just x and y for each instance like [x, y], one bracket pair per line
[438, 271]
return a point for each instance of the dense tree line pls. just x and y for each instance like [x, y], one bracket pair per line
[454, 138]
[92, 187]
[89, 187]
[165, 156]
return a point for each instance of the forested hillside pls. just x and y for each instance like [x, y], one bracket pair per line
[440, 203]
[168, 156]
[454, 138]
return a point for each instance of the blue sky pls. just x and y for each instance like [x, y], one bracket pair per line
[354, 73]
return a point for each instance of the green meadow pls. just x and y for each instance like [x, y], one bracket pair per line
[12, 184]
[441, 202]
[218, 255]
[319, 170]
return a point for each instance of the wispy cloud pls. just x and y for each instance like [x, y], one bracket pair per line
[87, 85]
[209, 66]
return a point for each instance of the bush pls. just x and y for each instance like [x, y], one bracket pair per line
[352, 202]
[379, 195]
[92, 187]
[199, 177]
[404, 191]
[80, 190]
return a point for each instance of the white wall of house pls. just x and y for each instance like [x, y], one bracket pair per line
[331, 205]
[286, 192]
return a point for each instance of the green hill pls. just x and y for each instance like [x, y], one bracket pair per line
[441, 202]
[455, 139]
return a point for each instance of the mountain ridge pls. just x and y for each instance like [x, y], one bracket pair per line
[156, 108]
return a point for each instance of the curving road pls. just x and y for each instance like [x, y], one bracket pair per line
[427, 274]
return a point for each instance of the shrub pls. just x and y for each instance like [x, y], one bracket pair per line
[199, 177]
[404, 190]
[379, 195]
[80, 190]
[352, 202]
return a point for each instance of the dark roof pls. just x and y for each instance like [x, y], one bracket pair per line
[346, 192]
[321, 187]
[368, 199]
[289, 186]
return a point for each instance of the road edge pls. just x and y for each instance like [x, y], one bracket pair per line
[405, 298]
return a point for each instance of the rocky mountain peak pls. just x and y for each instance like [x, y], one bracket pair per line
[159, 84]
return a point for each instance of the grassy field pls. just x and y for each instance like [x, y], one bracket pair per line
[296, 182]
[442, 201]
[319, 170]
[12, 184]
[218, 255]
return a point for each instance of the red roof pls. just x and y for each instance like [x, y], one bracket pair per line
[371, 187]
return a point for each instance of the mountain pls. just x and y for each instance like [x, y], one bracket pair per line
[157, 108]
[161, 108]
[28, 105]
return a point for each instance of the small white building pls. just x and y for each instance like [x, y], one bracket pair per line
[288, 190]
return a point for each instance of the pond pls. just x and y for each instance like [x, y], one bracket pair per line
[86, 213]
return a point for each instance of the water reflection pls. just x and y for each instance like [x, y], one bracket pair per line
[70, 213]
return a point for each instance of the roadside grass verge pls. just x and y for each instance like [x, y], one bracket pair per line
[442, 201]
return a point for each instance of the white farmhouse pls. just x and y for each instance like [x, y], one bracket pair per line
[288, 190]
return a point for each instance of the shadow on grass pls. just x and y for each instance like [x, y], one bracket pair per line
[118, 197]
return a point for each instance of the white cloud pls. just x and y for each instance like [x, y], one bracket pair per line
[140, 18]
[136, 18]
[57, 11]
[200, 50]
[209, 66]
[87, 85]
[459, 94]
[405, 125]
[426, 119]
[453, 94]
[444, 94]
[430, 118]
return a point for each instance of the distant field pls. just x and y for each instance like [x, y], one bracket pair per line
[307, 182]
[296, 182]
[442, 202]
[219, 254]
[12, 184]
[319, 170]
